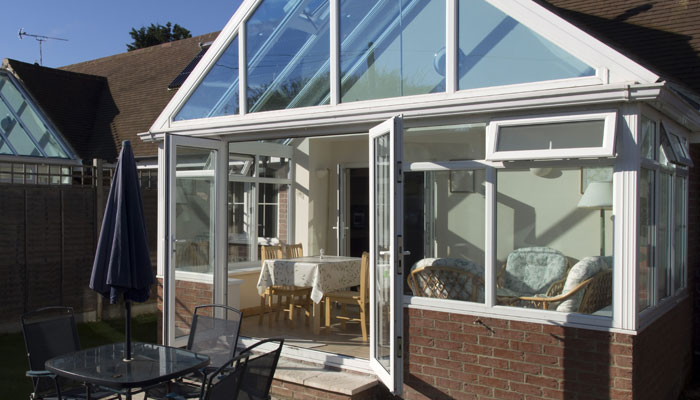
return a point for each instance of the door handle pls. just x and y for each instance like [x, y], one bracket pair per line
[388, 252]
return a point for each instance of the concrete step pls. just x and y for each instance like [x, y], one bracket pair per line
[301, 380]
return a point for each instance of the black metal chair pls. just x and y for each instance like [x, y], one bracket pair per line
[225, 382]
[214, 332]
[260, 369]
[50, 332]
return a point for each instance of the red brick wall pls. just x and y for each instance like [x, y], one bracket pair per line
[663, 355]
[467, 357]
[187, 296]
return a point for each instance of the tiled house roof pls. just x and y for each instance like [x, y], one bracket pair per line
[138, 84]
[662, 35]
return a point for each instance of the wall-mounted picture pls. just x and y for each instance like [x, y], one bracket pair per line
[462, 181]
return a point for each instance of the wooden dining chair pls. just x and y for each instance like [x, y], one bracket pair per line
[294, 250]
[296, 297]
[359, 298]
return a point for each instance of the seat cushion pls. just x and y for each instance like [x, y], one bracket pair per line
[531, 270]
[582, 270]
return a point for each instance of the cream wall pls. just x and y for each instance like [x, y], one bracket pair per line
[459, 219]
[316, 184]
[542, 211]
[248, 288]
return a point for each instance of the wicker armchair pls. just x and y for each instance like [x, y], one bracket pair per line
[447, 278]
[586, 288]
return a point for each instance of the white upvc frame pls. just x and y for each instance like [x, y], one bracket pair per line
[658, 307]
[675, 155]
[256, 150]
[611, 66]
[607, 149]
[167, 159]
[490, 308]
[393, 376]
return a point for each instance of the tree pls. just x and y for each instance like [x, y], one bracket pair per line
[156, 34]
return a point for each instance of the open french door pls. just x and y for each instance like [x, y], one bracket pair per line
[386, 252]
[194, 247]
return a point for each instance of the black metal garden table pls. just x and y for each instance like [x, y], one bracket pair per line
[105, 366]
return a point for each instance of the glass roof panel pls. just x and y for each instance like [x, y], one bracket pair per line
[25, 132]
[288, 53]
[217, 94]
[15, 134]
[388, 48]
[495, 49]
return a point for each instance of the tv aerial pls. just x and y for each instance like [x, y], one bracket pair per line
[40, 39]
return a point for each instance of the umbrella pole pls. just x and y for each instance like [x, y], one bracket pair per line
[127, 334]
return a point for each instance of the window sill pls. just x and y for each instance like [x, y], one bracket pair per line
[594, 322]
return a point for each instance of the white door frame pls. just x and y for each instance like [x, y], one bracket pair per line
[219, 278]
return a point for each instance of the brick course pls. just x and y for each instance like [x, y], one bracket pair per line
[501, 359]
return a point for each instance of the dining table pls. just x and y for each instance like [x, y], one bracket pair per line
[323, 274]
[105, 366]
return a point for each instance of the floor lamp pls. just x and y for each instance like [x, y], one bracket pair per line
[598, 196]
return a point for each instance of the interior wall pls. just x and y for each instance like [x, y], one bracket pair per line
[542, 211]
[316, 185]
[459, 217]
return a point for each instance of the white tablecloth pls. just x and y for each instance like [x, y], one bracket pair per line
[323, 275]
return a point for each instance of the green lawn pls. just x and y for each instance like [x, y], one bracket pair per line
[15, 385]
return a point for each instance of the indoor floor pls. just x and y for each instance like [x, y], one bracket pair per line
[346, 342]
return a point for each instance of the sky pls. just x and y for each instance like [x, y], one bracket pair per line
[97, 28]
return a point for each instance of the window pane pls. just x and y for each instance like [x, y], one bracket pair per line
[565, 135]
[273, 167]
[272, 211]
[239, 164]
[449, 261]
[544, 228]
[217, 93]
[680, 234]
[287, 55]
[239, 222]
[646, 224]
[443, 143]
[495, 49]
[648, 138]
[389, 48]
[194, 201]
[16, 134]
[663, 241]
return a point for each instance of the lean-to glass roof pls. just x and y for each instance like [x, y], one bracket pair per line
[387, 48]
[23, 132]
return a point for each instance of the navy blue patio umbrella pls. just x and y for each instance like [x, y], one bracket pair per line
[122, 264]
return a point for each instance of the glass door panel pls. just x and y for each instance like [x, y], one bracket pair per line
[193, 272]
[386, 254]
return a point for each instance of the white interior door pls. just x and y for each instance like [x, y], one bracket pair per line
[386, 252]
[194, 243]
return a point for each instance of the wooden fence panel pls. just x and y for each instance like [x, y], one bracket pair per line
[79, 244]
[43, 259]
[12, 253]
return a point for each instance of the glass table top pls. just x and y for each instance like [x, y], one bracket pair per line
[105, 365]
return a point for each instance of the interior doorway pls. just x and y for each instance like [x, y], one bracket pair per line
[358, 208]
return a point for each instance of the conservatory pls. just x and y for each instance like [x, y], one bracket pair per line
[495, 162]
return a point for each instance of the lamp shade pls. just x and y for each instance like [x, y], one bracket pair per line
[598, 195]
